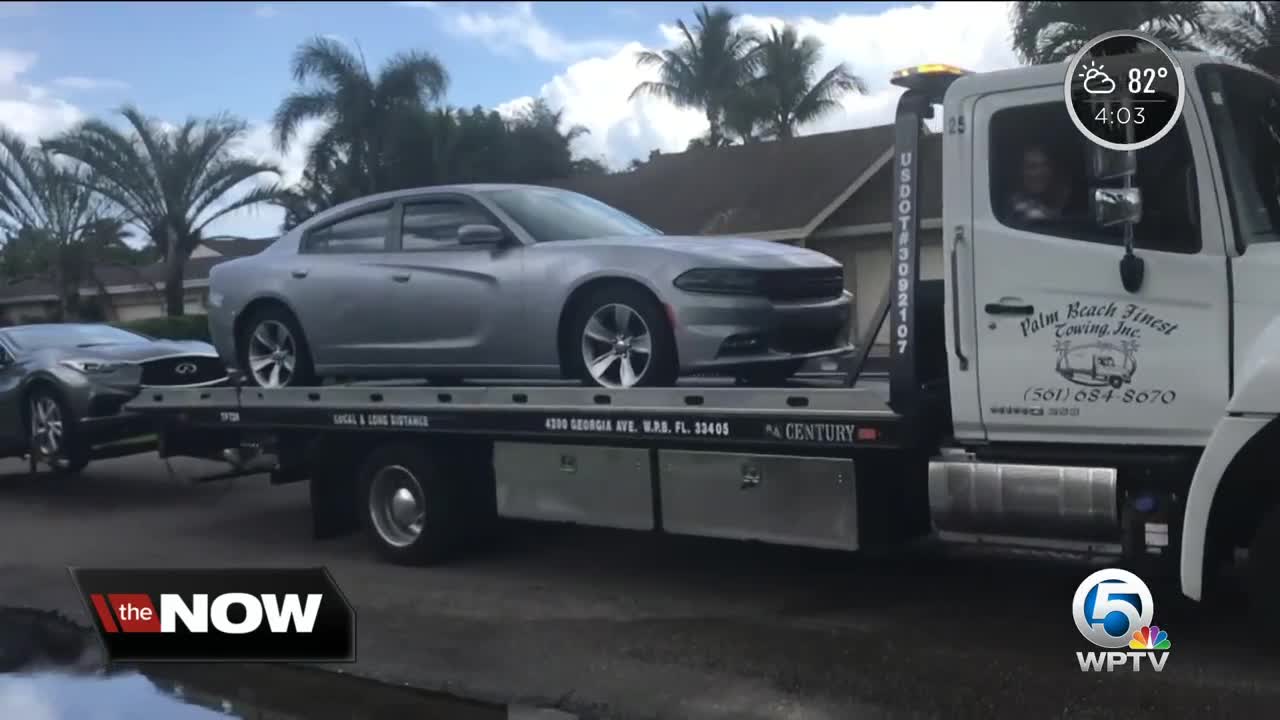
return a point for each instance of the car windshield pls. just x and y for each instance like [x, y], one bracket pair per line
[1244, 109]
[553, 215]
[41, 337]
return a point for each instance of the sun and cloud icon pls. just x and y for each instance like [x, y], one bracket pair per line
[1096, 82]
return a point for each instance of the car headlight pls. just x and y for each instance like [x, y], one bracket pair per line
[215, 299]
[93, 367]
[722, 281]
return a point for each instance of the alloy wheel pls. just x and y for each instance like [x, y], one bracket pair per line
[273, 354]
[617, 346]
[47, 429]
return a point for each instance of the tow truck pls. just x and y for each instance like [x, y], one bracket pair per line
[997, 422]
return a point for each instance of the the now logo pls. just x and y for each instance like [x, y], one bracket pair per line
[235, 613]
[244, 615]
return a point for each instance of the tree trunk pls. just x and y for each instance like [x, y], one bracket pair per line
[174, 260]
[715, 135]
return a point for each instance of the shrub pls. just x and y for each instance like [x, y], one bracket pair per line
[184, 327]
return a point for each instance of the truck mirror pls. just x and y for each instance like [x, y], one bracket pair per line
[1105, 164]
[1117, 206]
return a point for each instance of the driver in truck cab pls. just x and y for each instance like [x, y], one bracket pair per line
[1044, 191]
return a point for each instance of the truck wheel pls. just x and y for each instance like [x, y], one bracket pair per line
[413, 510]
[619, 338]
[52, 434]
[273, 351]
[1263, 579]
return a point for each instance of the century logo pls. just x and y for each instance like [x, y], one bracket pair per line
[241, 615]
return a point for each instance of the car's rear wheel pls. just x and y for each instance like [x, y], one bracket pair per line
[273, 350]
[620, 338]
[53, 439]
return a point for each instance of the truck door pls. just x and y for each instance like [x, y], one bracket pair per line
[1065, 353]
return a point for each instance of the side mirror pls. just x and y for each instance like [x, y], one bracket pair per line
[1105, 164]
[1117, 206]
[480, 235]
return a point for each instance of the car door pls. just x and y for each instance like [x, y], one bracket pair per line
[456, 306]
[1065, 353]
[340, 284]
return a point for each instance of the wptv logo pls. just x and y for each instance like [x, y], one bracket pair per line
[1113, 609]
[224, 615]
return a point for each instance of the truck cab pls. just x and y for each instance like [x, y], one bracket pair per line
[1083, 402]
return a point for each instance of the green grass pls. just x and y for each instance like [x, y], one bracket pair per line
[185, 327]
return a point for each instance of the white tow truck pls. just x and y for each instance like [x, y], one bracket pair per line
[1108, 385]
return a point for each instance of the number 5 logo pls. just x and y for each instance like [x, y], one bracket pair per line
[1111, 584]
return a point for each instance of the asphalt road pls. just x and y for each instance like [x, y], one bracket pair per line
[619, 625]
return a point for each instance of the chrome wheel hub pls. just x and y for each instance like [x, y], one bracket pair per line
[272, 354]
[616, 346]
[397, 506]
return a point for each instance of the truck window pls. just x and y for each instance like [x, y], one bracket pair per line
[1244, 112]
[1040, 182]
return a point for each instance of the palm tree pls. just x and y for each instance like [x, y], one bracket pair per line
[710, 66]
[361, 112]
[1248, 32]
[170, 182]
[786, 88]
[46, 208]
[1048, 32]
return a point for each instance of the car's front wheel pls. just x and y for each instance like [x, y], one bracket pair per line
[53, 439]
[620, 338]
[273, 351]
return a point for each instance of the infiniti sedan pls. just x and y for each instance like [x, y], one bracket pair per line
[516, 281]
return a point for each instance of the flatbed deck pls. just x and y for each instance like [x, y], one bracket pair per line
[815, 414]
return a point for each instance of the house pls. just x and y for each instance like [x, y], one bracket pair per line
[830, 192]
[133, 292]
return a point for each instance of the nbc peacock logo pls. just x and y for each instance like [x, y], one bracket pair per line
[1150, 638]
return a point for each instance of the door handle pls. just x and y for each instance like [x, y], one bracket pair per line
[400, 277]
[1003, 309]
[961, 358]
[299, 273]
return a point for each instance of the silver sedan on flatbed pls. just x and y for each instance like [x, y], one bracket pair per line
[518, 281]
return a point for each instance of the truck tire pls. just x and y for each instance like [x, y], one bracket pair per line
[413, 510]
[1263, 578]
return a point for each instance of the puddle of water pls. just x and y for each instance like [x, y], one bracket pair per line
[51, 669]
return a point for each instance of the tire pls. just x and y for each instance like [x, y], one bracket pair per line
[442, 507]
[770, 374]
[644, 317]
[1262, 580]
[271, 319]
[52, 436]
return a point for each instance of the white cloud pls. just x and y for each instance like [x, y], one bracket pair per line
[264, 220]
[266, 11]
[517, 29]
[29, 110]
[594, 92]
[79, 82]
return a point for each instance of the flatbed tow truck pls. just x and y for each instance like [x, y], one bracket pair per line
[1037, 396]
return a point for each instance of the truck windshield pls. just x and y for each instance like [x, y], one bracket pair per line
[1244, 112]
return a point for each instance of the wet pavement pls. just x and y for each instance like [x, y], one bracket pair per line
[622, 625]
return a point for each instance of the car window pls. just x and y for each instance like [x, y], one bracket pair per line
[429, 225]
[551, 215]
[1040, 182]
[366, 232]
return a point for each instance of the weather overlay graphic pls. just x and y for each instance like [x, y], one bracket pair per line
[1124, 90]
[1113, 609]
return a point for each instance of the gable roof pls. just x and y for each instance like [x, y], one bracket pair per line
[874, 203]
[784, 187]
[142, 277]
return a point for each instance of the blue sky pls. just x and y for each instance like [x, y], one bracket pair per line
[60, 62]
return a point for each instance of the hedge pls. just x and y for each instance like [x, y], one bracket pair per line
[183, 327]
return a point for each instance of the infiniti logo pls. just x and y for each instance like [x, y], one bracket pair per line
[185, 368]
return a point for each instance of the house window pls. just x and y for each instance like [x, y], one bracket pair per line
[1040, 182]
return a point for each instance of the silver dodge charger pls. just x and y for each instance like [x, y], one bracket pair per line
[517, 281]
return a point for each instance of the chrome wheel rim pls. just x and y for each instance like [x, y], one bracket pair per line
[397, 506]
[273, 354]
[46, 428]
[617, 347]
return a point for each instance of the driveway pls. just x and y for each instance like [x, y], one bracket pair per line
[624, 625]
